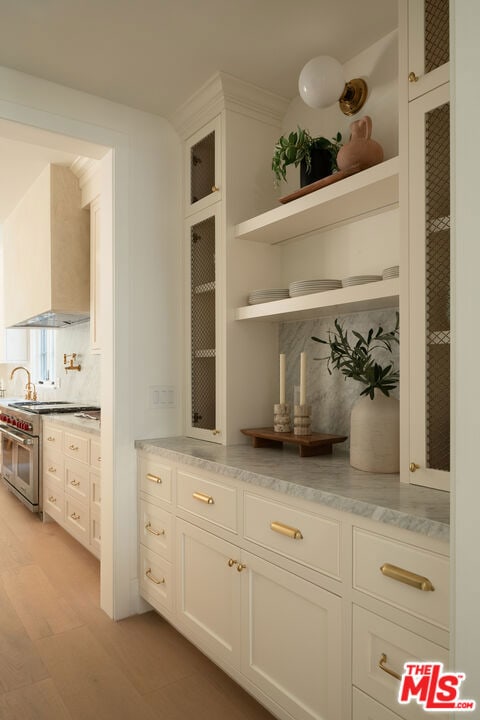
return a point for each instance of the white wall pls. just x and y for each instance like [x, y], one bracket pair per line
[466, 396]
[141, 282]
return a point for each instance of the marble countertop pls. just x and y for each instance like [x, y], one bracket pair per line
[74, 423]
[328, 480]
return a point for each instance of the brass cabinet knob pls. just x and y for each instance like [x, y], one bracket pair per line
[413, 466]
[241, 567]
[215, 188]
[215, 432]
[412, 77]
[232, 562]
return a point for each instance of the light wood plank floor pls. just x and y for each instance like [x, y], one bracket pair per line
[62, 658]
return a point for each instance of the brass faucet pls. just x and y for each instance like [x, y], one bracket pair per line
[30, 390]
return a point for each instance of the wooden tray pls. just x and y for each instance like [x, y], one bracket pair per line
[308, 445]
[329, 180]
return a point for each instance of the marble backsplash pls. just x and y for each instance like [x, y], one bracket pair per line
[331, 396]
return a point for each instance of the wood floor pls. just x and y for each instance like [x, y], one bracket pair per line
[62, 658]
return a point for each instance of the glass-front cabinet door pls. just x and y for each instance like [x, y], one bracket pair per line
[203, 168]
[428, 45]
[202, 411]
[430, 335]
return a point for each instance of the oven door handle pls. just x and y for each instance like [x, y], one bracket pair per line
[22, 439]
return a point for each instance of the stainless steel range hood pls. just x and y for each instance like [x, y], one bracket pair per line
[47, 254]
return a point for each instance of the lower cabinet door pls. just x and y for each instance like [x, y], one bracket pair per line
[365, 708]
[208, 592]
[77, 520]
[291, 634]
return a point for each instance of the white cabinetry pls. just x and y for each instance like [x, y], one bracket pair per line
[425, 208]
[95, 275]
[229, 371]
[296, 601]
[72, 483]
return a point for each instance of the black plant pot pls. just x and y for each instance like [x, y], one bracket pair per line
[321, 167]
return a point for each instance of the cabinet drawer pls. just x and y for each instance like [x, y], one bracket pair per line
[155, 529]
[377, 640]
[156, 579]
[366, 708]
[76, 447]
[311, 540]
[373, 552]
[95, 454]
[207, 499]
[77, 519]
[77, 480]
[52, 438]
[53, 464]
[155, 478]
[54, 499]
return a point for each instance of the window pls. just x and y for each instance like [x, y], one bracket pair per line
[42, 355]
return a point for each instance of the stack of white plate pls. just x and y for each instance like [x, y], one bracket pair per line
[391, 272]
[261, 296]
[360, 280]
[306, 287]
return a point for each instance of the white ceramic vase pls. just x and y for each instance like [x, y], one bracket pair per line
[375, 434]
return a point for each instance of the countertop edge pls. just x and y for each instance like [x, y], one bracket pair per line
[389, 516]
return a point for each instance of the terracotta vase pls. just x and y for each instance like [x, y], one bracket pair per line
[361, 148]
[375, 434]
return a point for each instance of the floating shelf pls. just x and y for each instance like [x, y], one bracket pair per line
[368, 192]
[370, 296]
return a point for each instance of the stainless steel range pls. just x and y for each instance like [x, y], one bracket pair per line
[21, 442]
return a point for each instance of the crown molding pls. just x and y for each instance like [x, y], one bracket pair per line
[84, 168]
[225, 92]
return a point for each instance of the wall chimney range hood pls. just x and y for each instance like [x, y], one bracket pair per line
[47, 254]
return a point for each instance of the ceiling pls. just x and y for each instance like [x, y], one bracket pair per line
[154, 54]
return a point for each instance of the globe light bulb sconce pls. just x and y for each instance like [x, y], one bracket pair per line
[322, 83]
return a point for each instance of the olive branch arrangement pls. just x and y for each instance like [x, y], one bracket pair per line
[357, 361]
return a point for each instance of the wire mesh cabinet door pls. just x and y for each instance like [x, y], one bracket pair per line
[429, 206]
[203, 167]
[428, 45]
[203, 323]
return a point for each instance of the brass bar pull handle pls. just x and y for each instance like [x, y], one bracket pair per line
[208, 499]
[406, 576]
[75, 516]
[382, 664]
[157, 533]
[52, 469]
[154, 478]
[75, 483]
[52, 499]
[73, 447]
[151, 577]
[290, 532]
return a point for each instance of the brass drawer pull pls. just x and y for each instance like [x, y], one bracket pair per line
[208, 499]
[407, 577]
[52, 469]
[157, 533]
[73, 447]
[75, 516]
[290, 532]
[75, 483]
[149, 575]
[382, 664]
[154, 478]
[50, 439]
[52, 499]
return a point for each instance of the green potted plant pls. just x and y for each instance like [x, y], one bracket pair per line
[374, 420]
[317, 157]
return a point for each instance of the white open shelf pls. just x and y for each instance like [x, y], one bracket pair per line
[366, 193]
[370, 296]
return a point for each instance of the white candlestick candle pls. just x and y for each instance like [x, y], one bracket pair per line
[303, 378]
[282, 378]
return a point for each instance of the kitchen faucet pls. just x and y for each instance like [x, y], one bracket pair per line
[30, 390]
